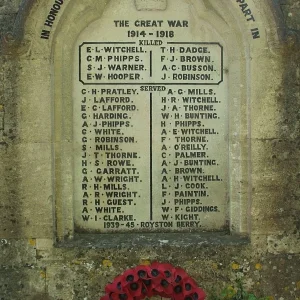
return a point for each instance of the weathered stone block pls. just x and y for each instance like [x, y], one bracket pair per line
[9, 6]
[17, 253]
[22, 283]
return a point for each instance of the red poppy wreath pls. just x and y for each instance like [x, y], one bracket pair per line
[158, 279]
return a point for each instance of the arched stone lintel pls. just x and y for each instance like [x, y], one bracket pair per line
[11, 40]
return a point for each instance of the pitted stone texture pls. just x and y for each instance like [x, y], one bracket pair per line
[280, 276]
[8, 12]
[6, 23]
[61, 282]
[17, 253]
[291, 11]
[21, 283]
[284, 244]
[9, 6]
[27, 218]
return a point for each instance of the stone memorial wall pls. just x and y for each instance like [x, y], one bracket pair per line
[135, 131]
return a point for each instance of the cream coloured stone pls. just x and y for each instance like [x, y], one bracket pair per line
[244, 82]
[151, 5]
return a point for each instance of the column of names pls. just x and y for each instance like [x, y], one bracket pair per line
[152, 136]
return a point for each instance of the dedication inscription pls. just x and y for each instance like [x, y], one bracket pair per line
[150, 123]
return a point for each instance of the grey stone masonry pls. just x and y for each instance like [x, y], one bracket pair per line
[8, 12]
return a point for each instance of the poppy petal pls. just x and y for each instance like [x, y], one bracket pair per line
[189, 285]
[164, 288]
[128, 277]
[168, 271]
[179, 276]
[177, 292]
[115, 286]
[114, 296]
[148, 285]
[142, 271]
[182, 273]
[198, 294]
[135, 289]
[153, 273]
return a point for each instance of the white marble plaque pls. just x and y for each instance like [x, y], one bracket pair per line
[150, 122]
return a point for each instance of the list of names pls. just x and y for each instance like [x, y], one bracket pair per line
[150, 131]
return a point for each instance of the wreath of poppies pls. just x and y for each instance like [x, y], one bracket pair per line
[158, 279]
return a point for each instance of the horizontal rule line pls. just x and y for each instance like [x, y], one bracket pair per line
[193, 43]
[101, 43]
[131, 83]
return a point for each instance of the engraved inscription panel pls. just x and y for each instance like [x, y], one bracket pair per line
[150, 122]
